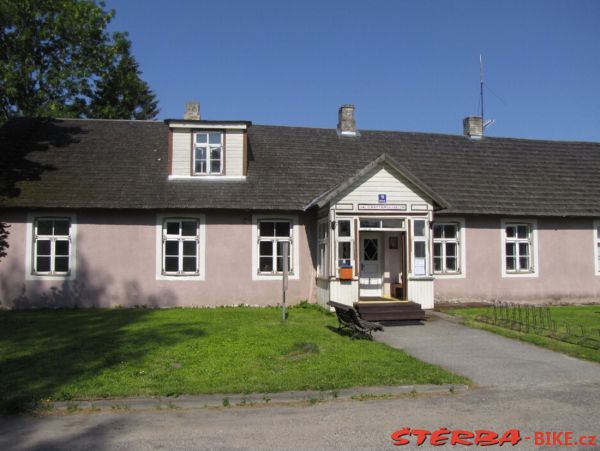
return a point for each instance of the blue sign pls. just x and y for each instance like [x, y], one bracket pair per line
[382, 198]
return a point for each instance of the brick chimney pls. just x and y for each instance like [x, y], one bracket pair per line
[192, 111]
[473, 127]
[346, 124]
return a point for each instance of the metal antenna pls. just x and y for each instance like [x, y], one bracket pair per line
[484, 123]
[481, 87]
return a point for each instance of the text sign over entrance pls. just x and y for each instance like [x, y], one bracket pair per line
[397, 207]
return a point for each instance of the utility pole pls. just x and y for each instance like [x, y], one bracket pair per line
[285, 251]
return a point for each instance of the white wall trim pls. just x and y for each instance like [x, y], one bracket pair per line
[211, 126]
[534, 255]
[295, 247]
[596, 239]
[29, 246]
[160, 218]
[462, 248]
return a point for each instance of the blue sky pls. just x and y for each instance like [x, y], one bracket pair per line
[406, 65]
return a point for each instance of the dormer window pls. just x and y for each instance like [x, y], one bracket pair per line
[208, 153]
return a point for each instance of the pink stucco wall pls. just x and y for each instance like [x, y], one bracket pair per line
[566, 266]
[116, 265]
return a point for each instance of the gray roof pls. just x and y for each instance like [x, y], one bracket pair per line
[123, 164]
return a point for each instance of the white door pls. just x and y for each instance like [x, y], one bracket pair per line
[371, 265]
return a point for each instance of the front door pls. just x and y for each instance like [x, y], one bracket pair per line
[371, 264]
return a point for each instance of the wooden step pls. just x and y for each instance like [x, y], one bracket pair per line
[393, 317]
[377, 310]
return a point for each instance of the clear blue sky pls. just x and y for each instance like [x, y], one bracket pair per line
[406, 65]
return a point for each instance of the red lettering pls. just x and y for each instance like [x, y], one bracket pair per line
[460, 437]
[569, 439]
[485, 438]
[439, 437]
[538, 438]
[556, 438]
[397, 437]
[512, 436]
[592, 441]
[421, 435]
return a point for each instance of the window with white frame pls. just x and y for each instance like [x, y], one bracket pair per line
[419, 247]
[52, 246]
[344, 243]
[208, 153]
[272, 233]
[446, 248]
[180, 247]
[518, 244]
[323, 248]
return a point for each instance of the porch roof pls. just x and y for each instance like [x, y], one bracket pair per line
[381, 161]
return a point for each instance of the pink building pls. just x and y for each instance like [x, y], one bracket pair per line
[193, 212]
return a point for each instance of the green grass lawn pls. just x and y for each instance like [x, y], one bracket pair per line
[82, 354]
[587, 316]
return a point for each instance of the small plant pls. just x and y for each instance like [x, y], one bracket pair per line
[313, 401]
[226, 402]
[120, 407]
[266, 399]
[334, 394]
[171, 405]
[72, 407]
[371, 396]
[242, 402]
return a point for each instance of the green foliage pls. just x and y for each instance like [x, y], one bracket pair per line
[58, 60]
[3, 238]
[80, 354]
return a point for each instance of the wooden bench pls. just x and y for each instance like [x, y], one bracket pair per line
[348, 319]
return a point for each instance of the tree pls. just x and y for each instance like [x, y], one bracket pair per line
[58, 60]
[121, 92]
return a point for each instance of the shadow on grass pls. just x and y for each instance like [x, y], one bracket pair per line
[345, 332]
[45, 353]
[52, 349]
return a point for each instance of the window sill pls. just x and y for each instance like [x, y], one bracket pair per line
[271, 277]
[208, 177]
[449, 275]
[516, 275]
[38, 276]
[182, 277]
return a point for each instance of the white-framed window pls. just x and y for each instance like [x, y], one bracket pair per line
[180, 246]
[269, 233]
[208, 153]
[519, 248]
[50, 246]
[419, 247]
[180, 243]
[446, 248]
[597, 245]
[323, 248]
[272, 233]
[345, 240]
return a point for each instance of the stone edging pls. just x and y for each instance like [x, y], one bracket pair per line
[253, 399]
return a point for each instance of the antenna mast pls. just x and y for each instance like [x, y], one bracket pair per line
[481, 87]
